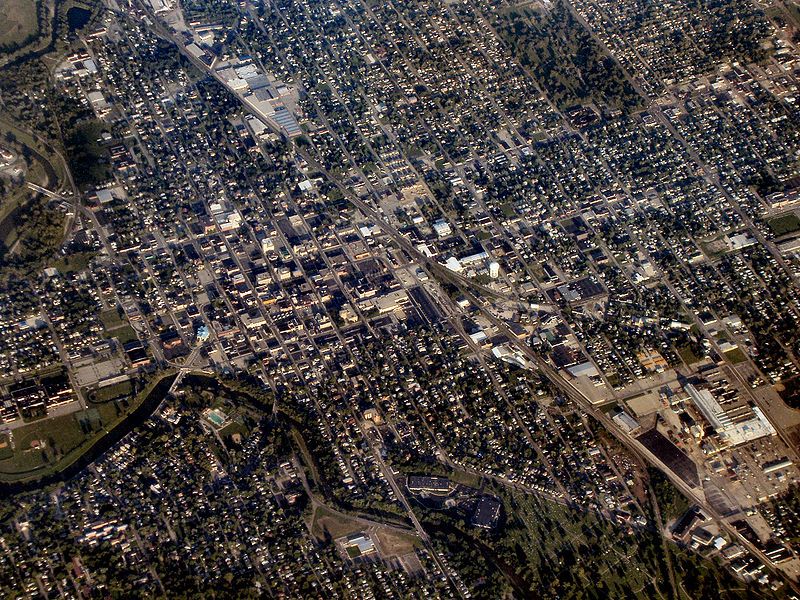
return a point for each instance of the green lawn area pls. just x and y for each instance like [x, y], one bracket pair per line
[688, 356]
[735, 356]
[610, 407]
[508, 210]
[18, 22]
[5, 449]
[73, 263]
[124, 334]
[111, 319]
[464, 478]
[58, 436]
[233, 427]
[112, 392]
[335, 523]
[117, 326]
[784, 224]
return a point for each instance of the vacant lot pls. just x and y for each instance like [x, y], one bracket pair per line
[111, 319]
[18, 23]
[112, 392]
[735, 356]
[393, 543]
[333, 523]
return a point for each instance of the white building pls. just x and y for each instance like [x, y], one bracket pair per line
[732, 433]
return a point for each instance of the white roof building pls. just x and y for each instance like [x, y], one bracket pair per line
[733, 433]
[442, 228]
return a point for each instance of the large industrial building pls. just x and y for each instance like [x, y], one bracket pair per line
[735, 426]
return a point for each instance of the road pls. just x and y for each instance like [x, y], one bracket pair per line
[470, 288]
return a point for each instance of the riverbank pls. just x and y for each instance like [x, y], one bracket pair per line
[84, 454]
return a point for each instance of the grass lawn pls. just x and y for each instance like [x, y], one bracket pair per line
[112, 392]
[233, 427]
[784, 224]
[125, 334]
[688, 356]
[735, 356]
[508, 210]
[464, 478]
[74, 263]
[395, 543]
[610, 407]
[17, 22]
[5, 448]
[111, 319]
[59, 434]
[109, 411]
[334, 523]
[117, 326]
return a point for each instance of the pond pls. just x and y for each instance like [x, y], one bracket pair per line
[77, 18]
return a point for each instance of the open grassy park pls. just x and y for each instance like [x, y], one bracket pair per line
[18, 22]
[46, 442]
[49, 446]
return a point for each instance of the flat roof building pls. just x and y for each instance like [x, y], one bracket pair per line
[359, 544]
[731, 428]
[487, 512]
[433, 485]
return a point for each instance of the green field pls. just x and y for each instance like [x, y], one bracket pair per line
[784, 224]
[125, 334]
[117, 327]
[735, 356]
[688, 355]
[73, 263]
[50, 445]
[111, 319]
[43, 442]
[326, 521]
[232, 428]
[18, 23]
[5, 448]
[464, 478]
[112, 392]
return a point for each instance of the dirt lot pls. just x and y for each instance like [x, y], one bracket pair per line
[391, 542]
[334, 523]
